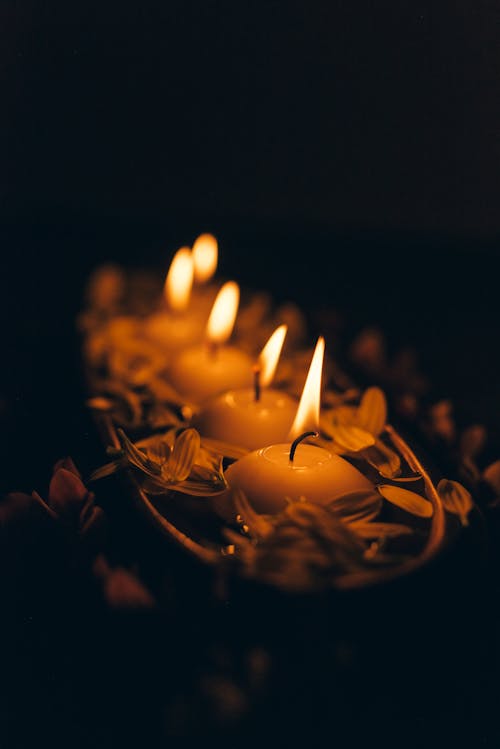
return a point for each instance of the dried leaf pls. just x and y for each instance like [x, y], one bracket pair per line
[372, 411]
[107, 470]
[348, 437]
[491, 475]
[357, 505]
[184, 453]
[224, 448]
[406, 500]
[456, 499]
[380, 530]
[384, 459]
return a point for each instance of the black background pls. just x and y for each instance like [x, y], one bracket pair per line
[345, 154]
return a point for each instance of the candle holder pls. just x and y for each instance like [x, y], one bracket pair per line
[176, 477]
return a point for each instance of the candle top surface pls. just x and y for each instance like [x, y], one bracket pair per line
[306, 456]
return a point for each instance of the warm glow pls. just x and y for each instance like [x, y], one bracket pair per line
[223, 315]
[179, 280]
[270, 354]
[307, 416]
[204, 257]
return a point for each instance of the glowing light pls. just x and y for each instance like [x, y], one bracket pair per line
[205, 255]
[307, 416]
[179, 280]
[270, 354]
[223, 315]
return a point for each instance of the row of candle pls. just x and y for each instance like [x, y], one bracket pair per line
[236, 403]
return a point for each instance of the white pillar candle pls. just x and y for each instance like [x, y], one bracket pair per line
[280, 472]
[214, 367]
[251, 417]
[269, 478]
[177, 324]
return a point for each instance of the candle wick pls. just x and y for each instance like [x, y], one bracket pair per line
[212, 348]
[298, 440]
[256, 383]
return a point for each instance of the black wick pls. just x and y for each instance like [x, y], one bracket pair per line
[256, 383]
[297, 441]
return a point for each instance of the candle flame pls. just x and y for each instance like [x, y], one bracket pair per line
[179, 280]
[223, 315]
[205, 255]
[307, 416]
[270, 354]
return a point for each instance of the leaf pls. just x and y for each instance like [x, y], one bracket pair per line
[224, 448]
[199, 488]
[136, 457]
[350, 438]
[356, 504]
[372, 411]
[380, 530]
[456, 499]
[406, 500]
[491, 475]
[386, 461]
[107, 470]
[184, 453]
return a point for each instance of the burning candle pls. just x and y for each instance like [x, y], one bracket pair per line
[252, 417]
[206, 370]
[205, 254]
[275, 474]
[178, 325]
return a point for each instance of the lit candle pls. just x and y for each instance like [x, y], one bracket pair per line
[202, 371]
[252, 417]
[178, 325]
[205, 255]
[277, 473]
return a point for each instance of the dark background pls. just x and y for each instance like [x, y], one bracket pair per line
[346, 155]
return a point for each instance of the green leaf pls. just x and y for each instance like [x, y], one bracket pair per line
[372, 411]
[406, 500]
[184, 453]
[456, 499]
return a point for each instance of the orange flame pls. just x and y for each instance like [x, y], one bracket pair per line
[205, 255]
[179, 280]
[307, 416]
[270, 354]
[223, 315]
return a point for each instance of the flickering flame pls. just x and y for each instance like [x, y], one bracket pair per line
[223, 315]
[270, 354]
[307, 416]
[179, 280]
[205, 255]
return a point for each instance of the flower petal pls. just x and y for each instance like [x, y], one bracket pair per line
[67, 492]
[372, 411]
[184, 453]
[406, 500]
[456, 499]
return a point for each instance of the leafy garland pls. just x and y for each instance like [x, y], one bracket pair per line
[305, 545]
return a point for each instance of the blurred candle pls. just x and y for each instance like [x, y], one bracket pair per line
[278, 473]
[202, 371]
[177, 325]
[251, 417]
[205, 255]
